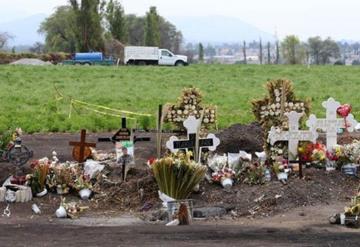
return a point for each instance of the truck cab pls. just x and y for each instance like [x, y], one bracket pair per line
[166, 57]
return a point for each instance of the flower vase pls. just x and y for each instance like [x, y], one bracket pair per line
[85, 193]
[61, 191]
[282, 176]
[61, 212]
[330, 165]
[227, 183]
[42, 193]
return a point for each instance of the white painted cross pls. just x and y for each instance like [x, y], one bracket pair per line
[192, 124]
[293, 135]
[331, 123]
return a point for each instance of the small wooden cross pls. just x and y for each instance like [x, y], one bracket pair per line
[331, 123]
[82, 146]
[293, 135]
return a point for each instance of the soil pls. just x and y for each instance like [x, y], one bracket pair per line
[238, 137]
[295, 214]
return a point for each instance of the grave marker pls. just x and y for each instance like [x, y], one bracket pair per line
[81, 149]
[124, 140]
[293, 135]
[331, 123]
[191, 124]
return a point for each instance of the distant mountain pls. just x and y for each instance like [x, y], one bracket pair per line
[24, 30]
[218, 29]
[212, 29]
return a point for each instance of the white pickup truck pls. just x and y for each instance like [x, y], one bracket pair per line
[142, 55]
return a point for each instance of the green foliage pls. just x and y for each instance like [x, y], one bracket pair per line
[136, 29]
[116, 19]
[26, 91]
[60, 30]
[152, 28]
[292, 49]
[201, 53]
[322, 50]
[88, 25]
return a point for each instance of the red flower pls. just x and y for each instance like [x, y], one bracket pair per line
[151, 160]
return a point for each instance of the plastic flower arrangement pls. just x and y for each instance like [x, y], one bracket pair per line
[177, 175]
[352, 152]
[314, 153]
[82, 182]
[255, 174]
[222, 174]
[40, 170]
[318, 154]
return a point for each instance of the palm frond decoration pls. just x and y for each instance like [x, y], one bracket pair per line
[177, 175]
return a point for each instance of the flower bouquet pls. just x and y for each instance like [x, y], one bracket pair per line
[224, 176]
[177, 175]
[352, 152]
[37, 180]
[254, 174]
[64, 177]
[315, 154]
[84, 186]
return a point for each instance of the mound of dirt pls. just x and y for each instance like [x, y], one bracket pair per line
[30, 61]
[317, 188]
[241, 137]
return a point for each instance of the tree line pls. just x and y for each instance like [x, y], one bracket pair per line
[289, 51]
[87, 25]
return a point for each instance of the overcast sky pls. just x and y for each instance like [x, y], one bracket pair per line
[339, 19]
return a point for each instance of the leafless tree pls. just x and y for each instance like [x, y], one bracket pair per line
[4, 38]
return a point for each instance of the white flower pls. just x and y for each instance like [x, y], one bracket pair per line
[291, 104]
[263, 108]
[278, 105]
[277, 99]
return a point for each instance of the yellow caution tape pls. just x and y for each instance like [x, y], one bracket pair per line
[110, 109]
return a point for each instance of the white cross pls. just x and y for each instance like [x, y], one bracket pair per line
[331, 123]
[293, 135]
[192, 124]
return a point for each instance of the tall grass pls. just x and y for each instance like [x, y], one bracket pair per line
[27, 95]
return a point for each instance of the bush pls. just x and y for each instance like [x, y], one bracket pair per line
[355, 62]
[339, 62]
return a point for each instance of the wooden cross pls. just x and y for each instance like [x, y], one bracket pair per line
[191, 124]
[123, 134]
[293, 135]
[331, 123]
[81, 149]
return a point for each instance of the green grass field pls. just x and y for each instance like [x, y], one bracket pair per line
[27, 94]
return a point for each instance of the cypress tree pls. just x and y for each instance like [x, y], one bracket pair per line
[152, 29]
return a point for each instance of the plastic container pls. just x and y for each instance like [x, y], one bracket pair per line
[227, 183]
[85, 194]
[349, 169]
[267, 175]
[173, 208]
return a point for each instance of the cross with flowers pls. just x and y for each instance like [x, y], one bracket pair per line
[270, 111]
[192, 126]
[331, 123]
[293, 135]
